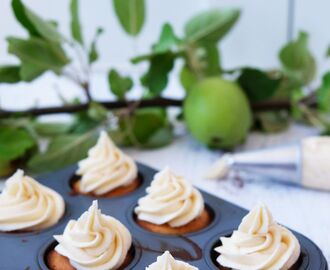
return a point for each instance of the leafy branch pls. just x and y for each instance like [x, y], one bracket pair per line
[73, 108]
[146, 103]
[276, 96]
[44, 50]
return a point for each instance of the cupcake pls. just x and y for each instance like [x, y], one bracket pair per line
[26, 205]
[93, 242]
[259, 243]
[167, 262]
[172, 206]
[107, 171]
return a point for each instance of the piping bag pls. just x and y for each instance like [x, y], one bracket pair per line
[306, 163]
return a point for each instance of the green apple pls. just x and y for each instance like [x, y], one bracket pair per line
[217, 113]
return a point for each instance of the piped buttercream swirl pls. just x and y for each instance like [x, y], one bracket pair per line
[106, 168]
[27, 205]
[167, 262]
[170, 200]
[259, 244]
[94, 241]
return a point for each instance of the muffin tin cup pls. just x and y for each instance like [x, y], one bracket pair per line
[29, 250]
[310, 258]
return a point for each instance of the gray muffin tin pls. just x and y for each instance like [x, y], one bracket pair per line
[26, 251]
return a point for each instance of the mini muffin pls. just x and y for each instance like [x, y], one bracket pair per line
[167, 262]
[259, 243]
[107, 171]
[172, 206]
[26, 205]
[94, 241]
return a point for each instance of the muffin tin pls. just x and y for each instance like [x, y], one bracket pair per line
[27, 251]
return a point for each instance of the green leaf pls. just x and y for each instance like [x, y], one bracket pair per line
[119, 85]
[131, 15]
[160, 138]
[327, 54]
[323, 94]
[10, 74]
[142, 58]
[5, 168]
[211, 25]
[83, 123]
[37, 54]
[119, 137]
[93, 55]
[287, 86]
[14, 143]
[53, 23]
[30, 71]
[187, 78]
[297, 60]
[75, 22]
[326, 131]
[19, 11]
[35, 25]
[203, 59]
[211, 58]
[272, 122]
[167, 43]
[62, 151]
[296, 96]
[45, 28]
[148, 127]
[51, 128]
[167, 40]
[97, 111]
[208, 59]
[156, 78]
[257, 84]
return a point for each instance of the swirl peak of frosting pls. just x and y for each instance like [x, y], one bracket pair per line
[167, 262]
[259, 243]
[170, 199]
[106, 168]
[257, 221]
[27, 205]
[94, 241]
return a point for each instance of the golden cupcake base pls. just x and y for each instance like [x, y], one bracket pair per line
[196, 225]
[56, 261]
[120, 191]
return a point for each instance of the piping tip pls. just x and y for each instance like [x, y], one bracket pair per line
[303, 164]
[221, 168]
[280, 163]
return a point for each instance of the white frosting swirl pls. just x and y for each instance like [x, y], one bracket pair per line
[259, 243]
[106, 168]
[94, 241]
[167, 262]
[27, 205]
[170, 199]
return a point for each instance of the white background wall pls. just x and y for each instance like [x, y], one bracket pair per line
[256, 39]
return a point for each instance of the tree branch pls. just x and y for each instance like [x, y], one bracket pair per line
[85, 87]
[156, 102]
